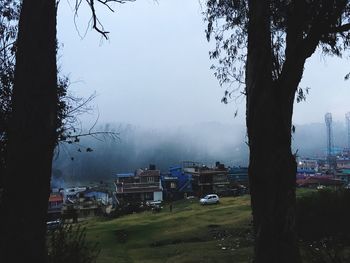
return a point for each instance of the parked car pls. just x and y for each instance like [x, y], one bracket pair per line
[155, 206]
[209, 199]
[52, 225]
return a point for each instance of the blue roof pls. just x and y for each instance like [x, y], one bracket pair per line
[175, 168]
[125, 175]
[306, 171]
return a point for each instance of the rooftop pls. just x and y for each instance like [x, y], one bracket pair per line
[125, 175]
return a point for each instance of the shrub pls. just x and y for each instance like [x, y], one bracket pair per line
[323, 219]
[323, 214]
[67, 244]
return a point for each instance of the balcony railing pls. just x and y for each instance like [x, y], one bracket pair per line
[137, 187]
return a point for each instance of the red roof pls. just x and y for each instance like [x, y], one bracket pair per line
[55, 198]
[318, 180]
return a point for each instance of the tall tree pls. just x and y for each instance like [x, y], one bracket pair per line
[267, 42]
[31, 135]
[35, 125]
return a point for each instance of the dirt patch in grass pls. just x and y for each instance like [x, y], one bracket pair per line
[232, 238]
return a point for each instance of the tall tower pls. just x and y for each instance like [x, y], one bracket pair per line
[347, 121]
[330, 143]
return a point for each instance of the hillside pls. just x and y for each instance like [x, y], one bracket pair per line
[190, 233]
[194, 233]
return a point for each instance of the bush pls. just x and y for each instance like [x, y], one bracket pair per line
[67, 244]
[326, 250]
[324, 214]
[323, 226]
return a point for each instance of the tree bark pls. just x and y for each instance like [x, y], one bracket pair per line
[32, 136]
[272, 166]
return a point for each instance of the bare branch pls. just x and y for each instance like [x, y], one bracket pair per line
[106, 4]
[82, 106]
[96, 24]
[113, 135]
[95, 20]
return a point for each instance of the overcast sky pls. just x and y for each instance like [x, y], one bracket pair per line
[154, 70]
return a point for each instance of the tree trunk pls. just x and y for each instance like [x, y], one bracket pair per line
[272, 166]
[32, 136]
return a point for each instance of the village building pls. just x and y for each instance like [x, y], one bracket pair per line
[55, 205]
[83, 202]
[144, 185]
[343, 163]
[307, 166]
[238, 175]
[343, 175]
[176, 183]
[207, 180]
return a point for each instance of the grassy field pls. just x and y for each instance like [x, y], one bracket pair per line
[190, 233]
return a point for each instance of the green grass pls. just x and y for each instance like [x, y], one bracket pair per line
[301, 192]
[190, 233]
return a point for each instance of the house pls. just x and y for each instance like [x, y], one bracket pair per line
[72, 193]
[176, 183]
[207, 180]
[83, 202]
[143, 185]
[343, 175]
[307, 166]
[100, 195]
[343, 163]
[55, 205]
[239, 175]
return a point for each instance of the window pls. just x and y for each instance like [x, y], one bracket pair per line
[172, 185]
[150, 179]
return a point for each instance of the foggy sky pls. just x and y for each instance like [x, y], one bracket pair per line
[154, 70]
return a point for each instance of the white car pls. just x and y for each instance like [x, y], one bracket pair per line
[209, 199]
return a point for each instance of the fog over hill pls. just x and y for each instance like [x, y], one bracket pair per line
[138, 147]
[310, 139]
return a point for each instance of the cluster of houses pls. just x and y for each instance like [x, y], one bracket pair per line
[147, 186]
[79, 202]
[189, 179]
[312, 172]
[195, 179]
